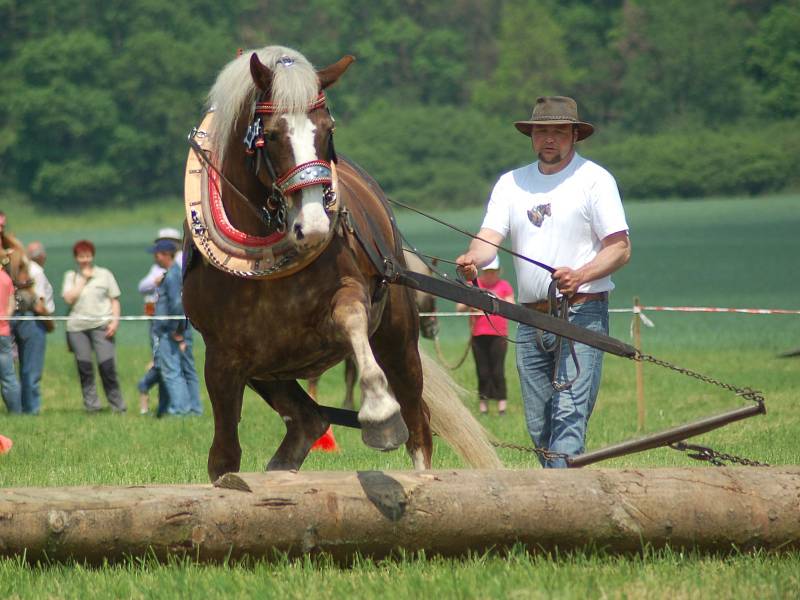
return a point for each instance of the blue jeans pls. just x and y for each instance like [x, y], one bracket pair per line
[175, 400]
[31, 338]
[9, 384]
[190, 376]
[557, 421]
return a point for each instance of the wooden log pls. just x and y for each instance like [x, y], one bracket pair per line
[375, 513]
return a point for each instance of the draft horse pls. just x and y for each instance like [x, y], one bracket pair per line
[288, 286]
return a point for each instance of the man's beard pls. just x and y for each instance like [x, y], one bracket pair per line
[553, 161]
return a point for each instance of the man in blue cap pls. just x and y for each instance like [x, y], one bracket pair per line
[173, 346]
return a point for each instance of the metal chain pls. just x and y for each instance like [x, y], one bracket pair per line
[703, 453]
[718, 459]
[543, 452]
[749, 393]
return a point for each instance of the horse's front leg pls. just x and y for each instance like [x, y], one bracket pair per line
[304, 424]
[225, 389]
[382, 425]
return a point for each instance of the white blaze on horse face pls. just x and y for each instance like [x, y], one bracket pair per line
[311, 225]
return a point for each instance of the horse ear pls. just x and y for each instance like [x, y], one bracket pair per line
[262, 76]
[329, 75]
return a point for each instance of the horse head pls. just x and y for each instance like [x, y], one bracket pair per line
[14, 261]
[292, 143]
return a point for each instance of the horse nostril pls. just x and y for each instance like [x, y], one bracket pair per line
[298, 232]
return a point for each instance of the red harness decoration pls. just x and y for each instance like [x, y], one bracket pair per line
[224, 226]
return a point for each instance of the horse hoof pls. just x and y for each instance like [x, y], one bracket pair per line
[385, 436]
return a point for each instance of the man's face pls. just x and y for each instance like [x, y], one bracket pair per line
[163, 259]
[553, 143]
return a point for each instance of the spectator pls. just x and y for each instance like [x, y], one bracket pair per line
[93, 296]
[173, 353]
[148, 288]
[9, 384]
[489, 343]
[31, 336]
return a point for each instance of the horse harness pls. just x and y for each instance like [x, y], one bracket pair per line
[315, 172]
[233, 251]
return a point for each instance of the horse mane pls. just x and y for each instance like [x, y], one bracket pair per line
[234, 94]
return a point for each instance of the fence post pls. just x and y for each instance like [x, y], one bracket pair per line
[637, 342]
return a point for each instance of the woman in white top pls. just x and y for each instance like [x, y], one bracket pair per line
[92, 294]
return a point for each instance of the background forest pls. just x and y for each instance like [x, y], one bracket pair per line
[690, 99]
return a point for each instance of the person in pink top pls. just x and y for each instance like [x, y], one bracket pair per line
[489, 343]
[9, 382]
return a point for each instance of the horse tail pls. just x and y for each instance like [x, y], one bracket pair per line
[451, 420]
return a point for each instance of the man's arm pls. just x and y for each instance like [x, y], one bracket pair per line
[479, 253]
[615, 253]
[149, 283]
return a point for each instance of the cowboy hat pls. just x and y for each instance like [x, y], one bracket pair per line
[555, 110]
[163, 246]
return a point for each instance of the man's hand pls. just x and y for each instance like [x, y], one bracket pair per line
[479, 253]
[568, 280]
[181, 341]
[467, 266]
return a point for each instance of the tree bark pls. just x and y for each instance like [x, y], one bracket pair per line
[263, 515]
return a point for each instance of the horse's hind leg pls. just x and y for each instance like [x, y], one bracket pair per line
[225, 388]
[382, 425]
[304, 424]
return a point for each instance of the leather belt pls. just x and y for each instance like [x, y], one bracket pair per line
[579, 298]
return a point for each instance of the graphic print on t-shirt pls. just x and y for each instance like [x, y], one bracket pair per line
[538, 213]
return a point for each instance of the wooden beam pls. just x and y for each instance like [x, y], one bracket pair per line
[374, 513]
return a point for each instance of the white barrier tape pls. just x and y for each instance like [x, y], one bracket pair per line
[450, 314]
[84, 318]
[636, 310]
[709, 309]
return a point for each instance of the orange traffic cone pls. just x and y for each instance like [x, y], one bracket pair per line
[326, 443]
[6, 443]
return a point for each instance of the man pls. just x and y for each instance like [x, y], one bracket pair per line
[31, 336]
[148, 287]
[173, 350]
[563, 211]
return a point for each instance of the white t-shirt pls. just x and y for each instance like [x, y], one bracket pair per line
[41, 286]
[559, 220]
[93, 306]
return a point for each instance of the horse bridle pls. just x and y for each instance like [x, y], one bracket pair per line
[307, 174]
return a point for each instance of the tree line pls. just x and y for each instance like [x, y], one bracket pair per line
[689, 99]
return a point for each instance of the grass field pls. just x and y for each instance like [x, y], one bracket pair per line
[726, 252]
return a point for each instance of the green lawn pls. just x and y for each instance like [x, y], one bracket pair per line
[735, 252]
